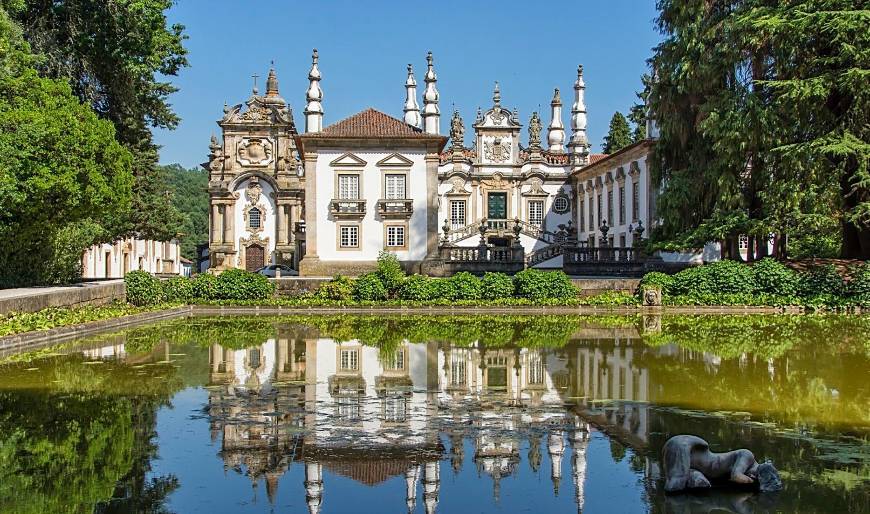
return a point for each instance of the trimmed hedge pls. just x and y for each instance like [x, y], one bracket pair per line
[766, 282]
[529, 284]
[236, 284]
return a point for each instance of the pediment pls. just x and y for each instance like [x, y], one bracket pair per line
[396, 160]
[348, 159]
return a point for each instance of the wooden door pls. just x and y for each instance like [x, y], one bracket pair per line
[496, 206]
[254, 257]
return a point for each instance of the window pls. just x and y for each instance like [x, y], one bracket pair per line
[743, 242]
[394, 186]
[560, 204]
[457, 367]
[536, 212]
[457, 213]
[349, 360]
[395, 235]
[610, 206]
[582, 214]
[635, 202]
[348, 187]
[622, 205]
[254, 218]
[536, 369]
[598, 210]
[622, 240]
[349, 236]
[591, 218]
[395, 362]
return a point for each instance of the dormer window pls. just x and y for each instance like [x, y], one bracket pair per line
[254, 218]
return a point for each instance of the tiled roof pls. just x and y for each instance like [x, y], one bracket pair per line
[371, 123]
[595, 157]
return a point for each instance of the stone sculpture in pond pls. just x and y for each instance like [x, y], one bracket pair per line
[689, 464]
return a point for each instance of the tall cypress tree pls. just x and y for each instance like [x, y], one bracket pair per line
[618, 135]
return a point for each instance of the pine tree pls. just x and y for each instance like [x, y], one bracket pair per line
[763, 114]
[618, 135]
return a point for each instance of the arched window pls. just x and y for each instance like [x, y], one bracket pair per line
[254, 218]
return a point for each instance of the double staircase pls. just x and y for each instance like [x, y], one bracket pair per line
[499, 228]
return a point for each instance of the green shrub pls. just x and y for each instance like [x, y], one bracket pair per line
[177, 289]
[203, 286]
[858, 287]
[340, 288]
[496, 286]
[723, 277]
[774, 277]
[142, 288]
[419, 288]
[239, 284]
[657, 279]
[390, 273]
[368, 287]
[821, 283]
[464, 286]
[539, 285]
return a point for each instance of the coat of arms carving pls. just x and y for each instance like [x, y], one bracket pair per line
[497, 150]
[253, 192]
[255, 152]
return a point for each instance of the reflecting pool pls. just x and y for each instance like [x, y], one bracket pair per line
[326, 414]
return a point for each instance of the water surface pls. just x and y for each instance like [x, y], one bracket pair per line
[434, 414]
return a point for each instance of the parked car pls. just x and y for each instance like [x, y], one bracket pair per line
[271, 271]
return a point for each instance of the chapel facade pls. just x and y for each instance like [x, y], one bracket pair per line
[328, 199]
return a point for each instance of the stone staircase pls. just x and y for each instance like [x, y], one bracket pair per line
[500, 228]
[544, 254]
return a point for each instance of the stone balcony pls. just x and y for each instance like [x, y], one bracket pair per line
[395, 208]
[349, 209]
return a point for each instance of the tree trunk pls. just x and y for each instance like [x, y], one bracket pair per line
[750, 248]
[762, 250]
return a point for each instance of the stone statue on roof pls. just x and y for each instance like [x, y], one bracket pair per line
[535, 131]
[457, 130]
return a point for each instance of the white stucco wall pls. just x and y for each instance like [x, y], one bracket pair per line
[148, 255]
[371, 190]
[266, 204]
[616, 228]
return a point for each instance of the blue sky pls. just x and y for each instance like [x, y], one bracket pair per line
[365, 46]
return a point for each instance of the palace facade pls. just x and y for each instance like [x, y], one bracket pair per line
[330, 198]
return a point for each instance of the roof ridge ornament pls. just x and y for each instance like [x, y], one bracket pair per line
[412, 109]
[496, 95]
[314, 96]
[431, 112]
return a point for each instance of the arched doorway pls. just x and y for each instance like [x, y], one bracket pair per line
[255, 257]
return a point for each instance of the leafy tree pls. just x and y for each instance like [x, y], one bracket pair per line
[190, 197]
[763, 110]
[114, 54]
[65, 182]
[618, 135]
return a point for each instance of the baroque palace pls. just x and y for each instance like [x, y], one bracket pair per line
[329, 199]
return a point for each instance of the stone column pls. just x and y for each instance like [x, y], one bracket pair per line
[216, 228]
[229, 223]
[431, 205]
[308, 265]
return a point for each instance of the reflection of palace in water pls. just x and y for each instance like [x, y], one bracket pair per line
[371, 415]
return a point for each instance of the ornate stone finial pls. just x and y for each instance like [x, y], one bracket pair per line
[604, 229]
[638, 230]
[535, 131]
[254, 90]
[496, 95]
[479, 118]
[556, 131]
[431, 112]
[314, 96]
[272, 82]
[226, 108]
[579, 144]
[412, 109]
[457, 131]
[446, 229]
[214, 142]
[517, 228]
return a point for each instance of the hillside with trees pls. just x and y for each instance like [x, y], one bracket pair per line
[190, 197]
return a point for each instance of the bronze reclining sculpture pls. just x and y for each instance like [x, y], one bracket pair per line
[689, 464]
